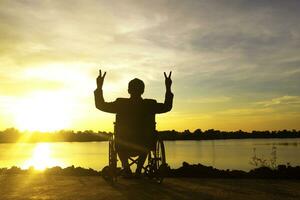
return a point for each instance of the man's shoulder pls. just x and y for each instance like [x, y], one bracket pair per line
[127, 100]
[150, 101]
[122, 99]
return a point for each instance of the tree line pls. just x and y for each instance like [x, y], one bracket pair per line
[14, 135]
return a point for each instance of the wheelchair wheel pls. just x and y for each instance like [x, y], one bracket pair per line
[110, 172]
[157, 162]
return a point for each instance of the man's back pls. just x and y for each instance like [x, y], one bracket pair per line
[135, 123]
[136, 114]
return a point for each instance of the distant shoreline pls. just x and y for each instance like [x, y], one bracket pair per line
[13, 135]
[170, 140]
[186, 170]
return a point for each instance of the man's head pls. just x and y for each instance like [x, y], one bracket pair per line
[136, 87]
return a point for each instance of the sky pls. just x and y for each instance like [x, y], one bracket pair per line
[235, 63]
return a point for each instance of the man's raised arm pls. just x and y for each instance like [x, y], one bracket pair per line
[168, 104]
[99, 100]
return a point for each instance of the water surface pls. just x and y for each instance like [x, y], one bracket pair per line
[222, 154]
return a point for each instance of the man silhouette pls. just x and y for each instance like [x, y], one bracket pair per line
[135, 119]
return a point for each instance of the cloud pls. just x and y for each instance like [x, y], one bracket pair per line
[232, 52]
[279, 106]
[281, 101]
[209, 100]
[248, 112]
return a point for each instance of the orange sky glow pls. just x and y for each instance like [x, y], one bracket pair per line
[235, 66]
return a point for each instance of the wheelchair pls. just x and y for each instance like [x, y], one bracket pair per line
[154, 167]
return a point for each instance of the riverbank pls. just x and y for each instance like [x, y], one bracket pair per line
[186, 170]
[39, 186]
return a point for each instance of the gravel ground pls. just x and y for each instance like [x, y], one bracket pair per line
[39, 186]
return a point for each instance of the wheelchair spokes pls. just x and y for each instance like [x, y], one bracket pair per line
[156, 162]
[154, 169]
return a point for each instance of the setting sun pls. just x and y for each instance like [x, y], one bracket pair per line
[42, 112]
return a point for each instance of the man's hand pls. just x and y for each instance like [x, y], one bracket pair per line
[168, 80]
[100, 79]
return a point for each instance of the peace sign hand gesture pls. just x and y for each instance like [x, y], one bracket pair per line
[168, 80]
[100, 79]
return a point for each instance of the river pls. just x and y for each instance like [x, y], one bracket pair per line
[222, 154]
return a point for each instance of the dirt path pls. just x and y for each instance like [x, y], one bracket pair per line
[16, 187]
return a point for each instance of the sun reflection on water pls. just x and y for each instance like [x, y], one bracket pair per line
[41, 158]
